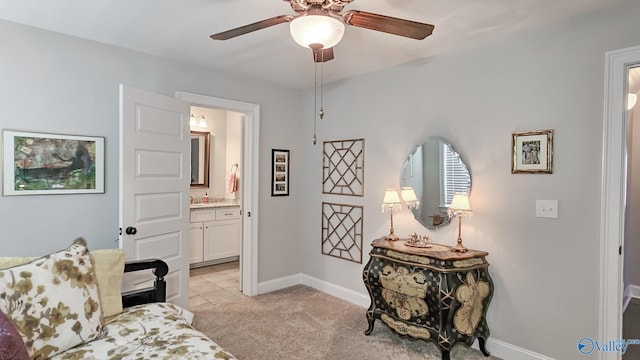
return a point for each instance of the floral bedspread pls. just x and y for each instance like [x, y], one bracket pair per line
[149, 331]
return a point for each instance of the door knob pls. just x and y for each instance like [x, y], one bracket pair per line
[131, 230]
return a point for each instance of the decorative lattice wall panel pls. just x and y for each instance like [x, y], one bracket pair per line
[342, 231]
[343, 167]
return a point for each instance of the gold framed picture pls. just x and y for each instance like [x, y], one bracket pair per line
[532, 152]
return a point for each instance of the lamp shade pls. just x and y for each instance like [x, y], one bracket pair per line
[192, 121]
[408, 194]
[460, 202]
[316, 29]
[391, 197]
[631, 101]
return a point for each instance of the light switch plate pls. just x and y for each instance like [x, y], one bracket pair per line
[547, 209]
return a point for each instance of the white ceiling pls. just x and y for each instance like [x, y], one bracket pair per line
[180, 29]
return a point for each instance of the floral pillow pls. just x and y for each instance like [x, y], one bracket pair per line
[53, 300]
[109, 267]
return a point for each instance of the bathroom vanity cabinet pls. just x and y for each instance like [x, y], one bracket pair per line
[215, 233]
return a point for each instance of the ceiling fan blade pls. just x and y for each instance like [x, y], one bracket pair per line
[388, 24]
[252, 27]
[322, 55]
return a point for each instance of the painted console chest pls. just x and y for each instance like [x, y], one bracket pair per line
[433, 294]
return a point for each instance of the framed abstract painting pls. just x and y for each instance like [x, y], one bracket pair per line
[41, 164]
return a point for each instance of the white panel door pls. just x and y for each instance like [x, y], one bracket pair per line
[154, 187]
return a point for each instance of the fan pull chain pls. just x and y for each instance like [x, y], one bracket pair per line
[315, 89]
[321, 112]
[315, 100]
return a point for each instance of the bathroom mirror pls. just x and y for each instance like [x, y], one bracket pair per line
[435, 171]
[200, 145]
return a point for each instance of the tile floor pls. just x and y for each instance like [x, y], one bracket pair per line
[215, 284]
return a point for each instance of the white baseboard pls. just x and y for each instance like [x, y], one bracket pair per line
[343, 293]
[497, 347]
[506, 351]
[631, 291]
[279, 283]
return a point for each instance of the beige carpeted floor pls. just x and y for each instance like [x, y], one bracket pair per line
[303, 323]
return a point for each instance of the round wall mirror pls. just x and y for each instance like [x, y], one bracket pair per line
[435, 171]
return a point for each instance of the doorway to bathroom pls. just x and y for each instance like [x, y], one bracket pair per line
[233, 183]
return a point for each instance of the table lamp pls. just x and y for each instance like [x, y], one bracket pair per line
[460, 207]
[391, 200]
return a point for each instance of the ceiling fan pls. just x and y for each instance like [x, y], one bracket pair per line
[319, 25]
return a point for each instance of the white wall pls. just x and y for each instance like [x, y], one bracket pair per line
[632, 215]
[546, 272]
[217, 127]
[631, 274]
[226, 149]
[234, 151]
[60, 84]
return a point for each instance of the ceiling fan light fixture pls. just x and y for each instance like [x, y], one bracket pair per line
[316, 29]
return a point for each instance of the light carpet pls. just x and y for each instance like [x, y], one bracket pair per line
[303, 323]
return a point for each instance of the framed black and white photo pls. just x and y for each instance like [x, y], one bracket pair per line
[279, 172]
[532, 152]
[40, 164]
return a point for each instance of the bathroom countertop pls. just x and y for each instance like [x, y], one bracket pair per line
[219, 204]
